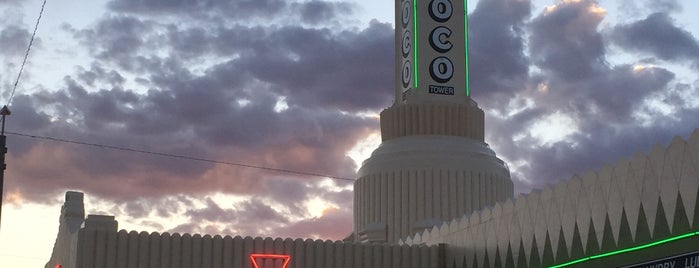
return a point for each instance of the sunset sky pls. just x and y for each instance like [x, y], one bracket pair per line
[567, 86]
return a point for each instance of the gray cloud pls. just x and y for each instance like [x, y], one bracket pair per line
[10, 2]
[211, 86]
[14, 40]
[499, 65]
[566, 43]
[25, 117]
[635, 8]
[347, 71]
[196, 114]
[336, 224]
[341, 69]
[97, 74]
[623, 89]
[253, 8]
[315, 12]
[658, 35]
[252, 211]
[207, 124]
[119, 39]
[13, 44]
[256, 217]
[663, 5]
[576, 81]
[590, 151]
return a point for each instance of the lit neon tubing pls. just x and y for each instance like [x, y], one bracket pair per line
[468, 89]
[415, 41]
[254, 257]
[603, 255]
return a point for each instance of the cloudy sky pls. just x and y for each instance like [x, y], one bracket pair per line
[567, 86]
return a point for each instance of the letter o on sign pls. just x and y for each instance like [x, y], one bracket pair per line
[441, 10]
[405, 18]
[407, 74]
[442, 69]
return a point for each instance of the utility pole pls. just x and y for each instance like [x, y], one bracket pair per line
[3, 150]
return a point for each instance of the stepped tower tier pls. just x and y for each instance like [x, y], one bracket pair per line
[433, 164]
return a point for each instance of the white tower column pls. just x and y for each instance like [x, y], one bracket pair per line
[433, 164]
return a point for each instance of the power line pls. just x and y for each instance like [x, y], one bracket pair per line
[179, 156]
[5, 111]
[26, 55]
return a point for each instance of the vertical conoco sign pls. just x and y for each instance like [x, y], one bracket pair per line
[431, 49]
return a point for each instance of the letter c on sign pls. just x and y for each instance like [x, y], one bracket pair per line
[436, 39]
[442, 69]
[407, 44]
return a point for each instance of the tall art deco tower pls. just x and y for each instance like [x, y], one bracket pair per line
[433, 164]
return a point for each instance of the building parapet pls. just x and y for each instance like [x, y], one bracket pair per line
[104, 248]
[98, 244]
[70, 221]
[646, 199]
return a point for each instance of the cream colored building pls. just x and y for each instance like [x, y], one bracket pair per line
[635, 211]
[434, 195]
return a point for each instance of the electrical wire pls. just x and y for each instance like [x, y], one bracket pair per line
[26, 54]
[179, 156]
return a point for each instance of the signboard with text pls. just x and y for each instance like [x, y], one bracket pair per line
[431, 48]
[689, 260]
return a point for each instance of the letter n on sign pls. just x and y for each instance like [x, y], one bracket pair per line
[254, 258]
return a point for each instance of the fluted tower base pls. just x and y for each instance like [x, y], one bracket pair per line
[426, 172]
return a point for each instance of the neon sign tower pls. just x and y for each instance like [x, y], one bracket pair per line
[433, 164]
[431, 50]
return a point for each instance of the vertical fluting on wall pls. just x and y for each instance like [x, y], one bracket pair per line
[400, 199]
[432, 166]
[648, 198]
[449, 119]
[110, 249]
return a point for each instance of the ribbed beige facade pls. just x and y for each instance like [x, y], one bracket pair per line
[407, 201]
[638, 202]
[433, 118]
[94, 242]
[646, 199]
[432, 166]
[434, 194]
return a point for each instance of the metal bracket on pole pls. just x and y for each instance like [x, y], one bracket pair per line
[4, 112]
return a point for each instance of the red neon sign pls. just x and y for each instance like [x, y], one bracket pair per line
[255, 257]
[58, 266]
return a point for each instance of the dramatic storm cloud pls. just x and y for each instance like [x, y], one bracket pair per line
[284, 96]
[295, 85]
[500, 65]
[658, 35]
[596, 112]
